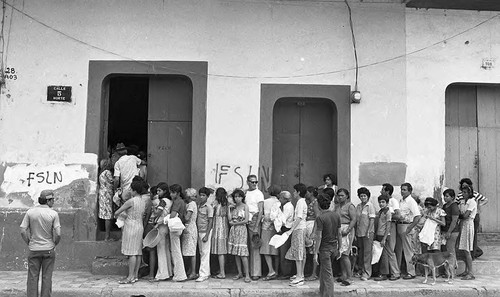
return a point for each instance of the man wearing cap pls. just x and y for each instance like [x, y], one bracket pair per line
[41, 231]
[126, 168]
[255, 202]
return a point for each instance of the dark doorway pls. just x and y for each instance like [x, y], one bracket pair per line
[304, 141]
[128, 111]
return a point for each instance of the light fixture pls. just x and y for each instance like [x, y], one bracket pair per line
[355, 96]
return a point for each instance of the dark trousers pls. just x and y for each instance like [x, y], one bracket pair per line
[285, 266]
[44, 261]
[326, 272]
[477, 252]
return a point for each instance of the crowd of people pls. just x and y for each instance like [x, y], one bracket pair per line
[321, 225]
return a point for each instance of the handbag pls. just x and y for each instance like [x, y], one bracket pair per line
[175, 225]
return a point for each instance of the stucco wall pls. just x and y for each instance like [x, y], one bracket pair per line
[399, 121]
[428, 74]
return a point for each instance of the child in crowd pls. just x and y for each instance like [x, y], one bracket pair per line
[468, 210]
[205, 224]
[297, 251]
[106, 193]
[365, 213]
[271, 210]
[163, 247]
[312, 213]
[388, 262]
[190, 235]
[451, 230]
[238, 218]
[435, 214]
[155, 202]
[326, 248]
[221, 230]
[178, 210]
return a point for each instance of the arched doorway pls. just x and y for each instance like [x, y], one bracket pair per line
[304, 141]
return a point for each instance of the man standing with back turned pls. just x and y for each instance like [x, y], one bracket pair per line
[41, 231]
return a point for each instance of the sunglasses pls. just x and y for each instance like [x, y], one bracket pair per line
[254, 182]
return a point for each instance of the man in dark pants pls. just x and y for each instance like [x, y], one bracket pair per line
[41, 231]
[327, 244]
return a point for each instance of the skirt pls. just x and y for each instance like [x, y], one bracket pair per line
[265, 248]
[219, 236]
[237, 242]
[189, 240]
[297, 251]
[466, 242]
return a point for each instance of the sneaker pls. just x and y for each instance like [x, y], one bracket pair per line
[202, 278]
[297, 283]
[380, 278]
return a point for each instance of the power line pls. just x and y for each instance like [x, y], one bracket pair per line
[252, 77]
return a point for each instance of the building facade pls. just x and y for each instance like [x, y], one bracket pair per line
[215, 90]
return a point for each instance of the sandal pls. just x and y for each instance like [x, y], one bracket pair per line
[126, 281]
[270, 277]
[312, 278]
[237, 277]
[220, 276]
[248, 280]
[462, 274]
[468, 277]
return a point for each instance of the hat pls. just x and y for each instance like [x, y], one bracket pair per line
[256, 241]
[46, 193]
[120, 147]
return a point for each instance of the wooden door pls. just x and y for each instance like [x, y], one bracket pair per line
[303, 141]
[472, 142]
[170, 130]
[488, 118]
[461, 156]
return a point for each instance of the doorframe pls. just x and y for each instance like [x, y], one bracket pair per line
[338, 94]
[98, 101]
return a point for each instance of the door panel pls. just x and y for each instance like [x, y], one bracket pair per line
[488, 110]
[303, 141]
[171, 98]
[316, 141]
[286, 132]
[169, 145]
[170, 130]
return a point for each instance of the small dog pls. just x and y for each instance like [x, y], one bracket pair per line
[431, 261]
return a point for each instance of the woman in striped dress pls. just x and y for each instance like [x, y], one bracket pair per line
[137, 213]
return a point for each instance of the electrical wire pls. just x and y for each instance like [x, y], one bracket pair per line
[2, 42]
[254, 77]
[353, 44]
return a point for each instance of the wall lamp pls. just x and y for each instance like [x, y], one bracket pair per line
[355, 96]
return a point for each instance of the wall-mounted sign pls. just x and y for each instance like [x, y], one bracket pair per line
[59, 93]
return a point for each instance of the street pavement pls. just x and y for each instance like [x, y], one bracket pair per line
[85, 284]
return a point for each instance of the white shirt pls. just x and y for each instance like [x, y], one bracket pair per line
[409, 209]
[471, 205]
[252, 199]
[126, 168]
[301, 213]
[393, 204]
[288, 212]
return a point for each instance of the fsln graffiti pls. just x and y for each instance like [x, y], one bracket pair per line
[45, 177]
[235, 175]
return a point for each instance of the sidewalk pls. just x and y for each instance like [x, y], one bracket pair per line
[83, 283]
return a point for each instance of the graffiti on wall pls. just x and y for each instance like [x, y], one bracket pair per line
[32, 178]
[234, 176]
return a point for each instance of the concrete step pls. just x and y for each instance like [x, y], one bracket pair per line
[112, 265]
[488, 237]
[86, 251]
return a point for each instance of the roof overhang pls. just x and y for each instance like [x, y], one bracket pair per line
[487, 5]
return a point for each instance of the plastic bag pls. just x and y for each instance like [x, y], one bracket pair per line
[376, 251]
